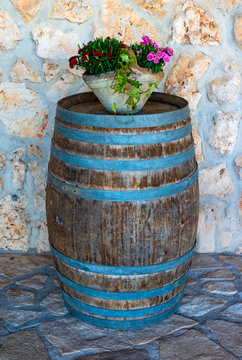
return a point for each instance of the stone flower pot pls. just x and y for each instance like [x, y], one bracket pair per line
[102, 88]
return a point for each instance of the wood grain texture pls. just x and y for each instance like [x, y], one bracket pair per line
[122, 233]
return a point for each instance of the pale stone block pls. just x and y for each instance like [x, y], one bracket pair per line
[185, 74]
[55, 44]
[28, 8]
[206, 232]
[238, 31]
[50, 70]
[39, 186]
[193, 100]
[238, 166]
[225, 5]
[226, 239]
[154, 7]
[198, 144]
[2, 161]
[34, 150]
[1, 185]
[232, 67]
[68, 77]
[18, 167]
[192, 25]
[224, 131]
[42, 242]
[239, 251]
[215, 181]
[9, 32]
[58, 90]
[183, 78]
[13, 226]
[22, 111]
[122, 22]
[78, 72]
[77, 11]
[22, 71]
[224, 90]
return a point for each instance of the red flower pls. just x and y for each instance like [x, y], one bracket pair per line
[123, 46]
[108, 38]
[108, 54]
[80, 50]
[72, 62]
[84, 58]
[98, 53]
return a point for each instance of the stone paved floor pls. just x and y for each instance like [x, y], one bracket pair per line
[35, 325]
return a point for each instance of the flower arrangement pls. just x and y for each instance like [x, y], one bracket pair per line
[102, 56]
[99, 56]
[150, 55]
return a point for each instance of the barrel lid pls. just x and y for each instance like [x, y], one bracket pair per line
[85, 109]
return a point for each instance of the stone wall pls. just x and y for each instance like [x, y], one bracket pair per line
[36, 39]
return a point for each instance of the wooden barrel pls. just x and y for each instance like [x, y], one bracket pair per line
[122, 209]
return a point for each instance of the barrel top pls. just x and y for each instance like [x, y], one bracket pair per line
[85, 109]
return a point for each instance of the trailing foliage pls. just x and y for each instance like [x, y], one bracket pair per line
[105, 55]
[125, 82]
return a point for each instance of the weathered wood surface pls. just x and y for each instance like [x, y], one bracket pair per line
[121, 233]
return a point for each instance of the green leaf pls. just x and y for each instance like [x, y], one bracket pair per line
[124, 57]
[114, 106]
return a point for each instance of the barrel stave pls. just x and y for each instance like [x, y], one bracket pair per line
[122, 197]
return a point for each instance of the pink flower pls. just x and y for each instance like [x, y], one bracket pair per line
[166, 58]
[146, 40]
[156, 60]
[155, 45]
[160, 54]
[139, 51]
[150, 57]
[170, 52]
